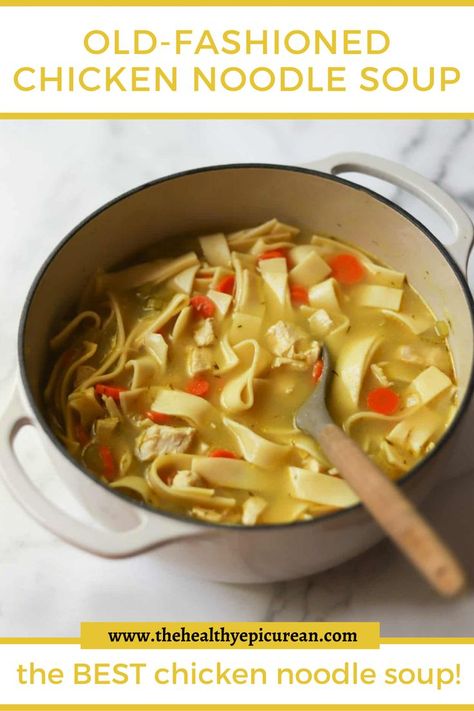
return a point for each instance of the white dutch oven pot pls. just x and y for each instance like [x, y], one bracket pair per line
[226, 198]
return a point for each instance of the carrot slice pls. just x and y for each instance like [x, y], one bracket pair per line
[112, 391]
[159, 418]
[346, 268]
[299, 294]
[317, 370]
[203, 306]
[223, 453]
[275, 254]
[385, 401]
[109, 470]
[226, 284]
[198, 386]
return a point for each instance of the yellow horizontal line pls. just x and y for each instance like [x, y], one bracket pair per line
[199, 115]
[383, 640]
[427, 640]
[40, 640]
[237, 707]
[237, 3]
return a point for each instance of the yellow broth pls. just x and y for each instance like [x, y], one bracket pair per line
[109, 436]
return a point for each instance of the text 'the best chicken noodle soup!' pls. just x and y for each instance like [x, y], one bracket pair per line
[178, 379]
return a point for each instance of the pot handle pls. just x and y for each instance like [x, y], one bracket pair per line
[149, 533]
[433, 196]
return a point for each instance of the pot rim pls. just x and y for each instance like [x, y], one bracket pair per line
[214, 168]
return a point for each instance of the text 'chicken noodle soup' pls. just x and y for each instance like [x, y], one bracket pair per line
[178, 379]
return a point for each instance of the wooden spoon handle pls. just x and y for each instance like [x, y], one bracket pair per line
[394, 512]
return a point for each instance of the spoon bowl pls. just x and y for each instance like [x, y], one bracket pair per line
[392, 510]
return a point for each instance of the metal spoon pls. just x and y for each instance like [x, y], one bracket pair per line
[392, 510]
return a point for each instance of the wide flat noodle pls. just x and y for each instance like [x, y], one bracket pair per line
[182, 324]
[252, 233]
[244, 327]
[104, 429]
[369, 415]
[379, 297]
[277, 296]
[85, 403]
[154, 324]
[326, 296]
[351, 366]
[135, 401]
[222, 302]
[238, 393]
[198, 495]
[252, 508]
[257, 449]
[385, 276]
[225, 356]
[414, 432]
[330, 328]
[321, 488]
[381, 275]
[216, 249]
[157, 272]
[248, 290]
[430, 383]
[183, 281]
[283, 511]
[270, 242]
[310, 270]
[145, 371]
[233, 474]
[189, 407]
[416, 323]
[330, 245]
[157, 347]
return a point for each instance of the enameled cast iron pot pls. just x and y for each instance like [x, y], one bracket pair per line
[228, 198]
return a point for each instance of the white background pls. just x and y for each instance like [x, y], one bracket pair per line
[420, 37]
[388, 656]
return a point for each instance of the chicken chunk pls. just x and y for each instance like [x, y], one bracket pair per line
[379, 374]
[184, 478]
[291, 363]
[204, 333]
[320, 323]
[311, 354]
[281, 338]
[161, 439]
[299, 360]
[199, 360]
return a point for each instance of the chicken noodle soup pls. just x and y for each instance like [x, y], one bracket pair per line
[178, 378]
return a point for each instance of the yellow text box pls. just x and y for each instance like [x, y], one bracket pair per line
[230, 635]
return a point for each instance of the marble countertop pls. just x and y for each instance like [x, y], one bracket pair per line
[52, 175]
